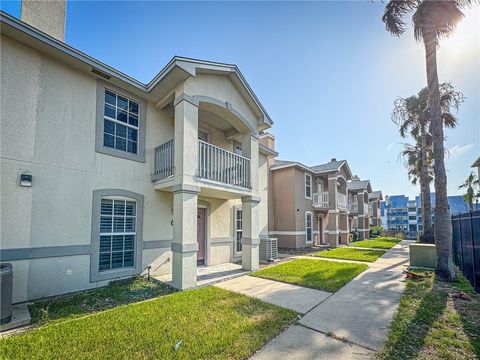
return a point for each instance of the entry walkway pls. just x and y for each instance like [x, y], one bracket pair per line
[289, 296]
[353, 323]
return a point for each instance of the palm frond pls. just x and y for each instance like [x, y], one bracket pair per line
[395, 12]
[438, 16]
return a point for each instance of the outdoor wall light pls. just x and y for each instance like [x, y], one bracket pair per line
[26, 180]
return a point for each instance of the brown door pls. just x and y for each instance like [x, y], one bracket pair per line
[201, 235]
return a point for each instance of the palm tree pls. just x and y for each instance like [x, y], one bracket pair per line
[412, 156]
[471, 184]
[412, 115]
[432, 20]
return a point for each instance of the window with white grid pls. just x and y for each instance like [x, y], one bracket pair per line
[238, 229]
[117, 234]
[308, 227]
[308, 186]
[121, 125]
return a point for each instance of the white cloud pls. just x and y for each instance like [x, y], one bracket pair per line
[458, 150]
[390, 146]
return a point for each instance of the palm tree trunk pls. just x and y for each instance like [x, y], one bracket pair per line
[443, 225]
[427, 236]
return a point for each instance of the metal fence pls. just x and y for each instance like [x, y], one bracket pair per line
[466, 245]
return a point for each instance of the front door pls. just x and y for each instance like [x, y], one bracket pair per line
[201, 235]
[320, 230]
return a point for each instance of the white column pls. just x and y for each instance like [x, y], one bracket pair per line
[186, 139]
[184, 245]
[250, 238]
[333, 213]
[250, 234]
[185, 191]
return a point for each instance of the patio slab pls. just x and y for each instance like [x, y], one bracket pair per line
[300, 343]
[289, 296]
[209, 275]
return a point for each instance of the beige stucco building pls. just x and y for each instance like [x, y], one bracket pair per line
[309, 204]
[375, 198]
[358, 206]
[105, 177]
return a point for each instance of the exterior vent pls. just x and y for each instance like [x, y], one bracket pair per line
[100, 73]
[6, 287]
[333, 159]
[268, 249]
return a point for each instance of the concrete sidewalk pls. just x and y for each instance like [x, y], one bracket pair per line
[360, 314]
[289, 296]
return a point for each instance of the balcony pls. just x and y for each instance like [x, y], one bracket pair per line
[342, 201]
[320, 200]
[353, 207]
[217, 164]
[214, 163]
[164, 161]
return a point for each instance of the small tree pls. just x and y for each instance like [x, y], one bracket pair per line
[412, 115]
[472, 186]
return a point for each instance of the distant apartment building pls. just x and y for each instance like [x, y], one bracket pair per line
[399, 213]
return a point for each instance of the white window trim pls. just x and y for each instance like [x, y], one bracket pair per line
[306, 227]
[122, 233]
[307, 175]
[236, 230]
[120, 194]
[102, 86]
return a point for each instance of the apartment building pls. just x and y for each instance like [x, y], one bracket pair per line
[399, 213]
[358, 206]
[375, 198]
[106, 177]
[308, 204]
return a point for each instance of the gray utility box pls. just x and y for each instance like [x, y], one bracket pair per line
[268, 249]
[6, 287]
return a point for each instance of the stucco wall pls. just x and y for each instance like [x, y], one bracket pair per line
[48, 130]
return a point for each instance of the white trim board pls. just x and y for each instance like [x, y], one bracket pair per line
[295, 233]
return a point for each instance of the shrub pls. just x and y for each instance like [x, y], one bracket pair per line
[376, 231]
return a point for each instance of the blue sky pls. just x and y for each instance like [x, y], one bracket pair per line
[327, 72]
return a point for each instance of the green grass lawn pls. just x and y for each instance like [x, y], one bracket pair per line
[115, 294]
[316, 274]
[211, 323]
[351, 254]
[378, 243]
[431, 324]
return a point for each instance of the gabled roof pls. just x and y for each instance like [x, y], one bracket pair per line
[375, 195]
[328, 167]
[317, 169]
[359, 185]
[476, 163]
[281, 164]
[178, 69]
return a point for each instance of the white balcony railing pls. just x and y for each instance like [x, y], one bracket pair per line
[353, 207]
[164, 161]
[215, 163]
[341, 201]
[320, 200]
